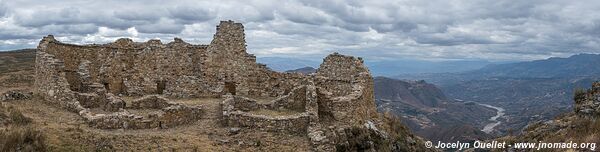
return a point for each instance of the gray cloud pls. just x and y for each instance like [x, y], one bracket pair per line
[437, 29]
[164, 26]
[138, 15]
[189, 14]
[2, 9]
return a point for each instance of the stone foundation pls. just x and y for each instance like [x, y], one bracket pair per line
[55, 89]
[237, 112]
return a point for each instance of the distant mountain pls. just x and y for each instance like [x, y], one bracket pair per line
[284, 64]
[529, 91]
[580, 65]
[397, 67]
[424, 109]
[304, 70]
[381, 68]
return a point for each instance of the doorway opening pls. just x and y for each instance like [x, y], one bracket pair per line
[160, 87]
[230, 88]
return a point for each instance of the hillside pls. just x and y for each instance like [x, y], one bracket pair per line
[427, 111]
[414, 93]
[284, 64]
[304, 70]
[580, 125]
[546, 85]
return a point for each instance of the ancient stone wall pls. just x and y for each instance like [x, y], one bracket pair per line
[166, 115]
[51, 82]
[126, 67]
[176, 69]
[237, 112]
[345, 89]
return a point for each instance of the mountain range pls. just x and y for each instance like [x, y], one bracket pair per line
[382, 67]
[529, 91]
[304, 70]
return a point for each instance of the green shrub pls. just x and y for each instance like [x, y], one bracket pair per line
[579, 95]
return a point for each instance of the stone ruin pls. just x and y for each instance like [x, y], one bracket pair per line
[92, 80]
[16, 95]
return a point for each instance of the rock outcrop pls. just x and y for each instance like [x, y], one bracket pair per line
[587, 103]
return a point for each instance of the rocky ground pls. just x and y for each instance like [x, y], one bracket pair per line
[579, 126]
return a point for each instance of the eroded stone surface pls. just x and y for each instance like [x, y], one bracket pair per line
[16, 95]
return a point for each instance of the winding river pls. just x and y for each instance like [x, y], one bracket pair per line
[499, 113]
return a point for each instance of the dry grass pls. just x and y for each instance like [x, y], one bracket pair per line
[196, 101]
[585, 130]
[575, 129]
[22, 139]
[17, 134]
[17, 118]
[13, 116]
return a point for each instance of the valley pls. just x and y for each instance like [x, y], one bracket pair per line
[528, 91]
[489, 128]
[429, 113]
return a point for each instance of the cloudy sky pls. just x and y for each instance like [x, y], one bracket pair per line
[376, 30]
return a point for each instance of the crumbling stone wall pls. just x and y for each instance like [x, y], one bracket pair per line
[176, 69]
[345, 89]
[167, 115]
[126, 67]
[52, 85]
[236, 112]
[16, 95]
[51, 82]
